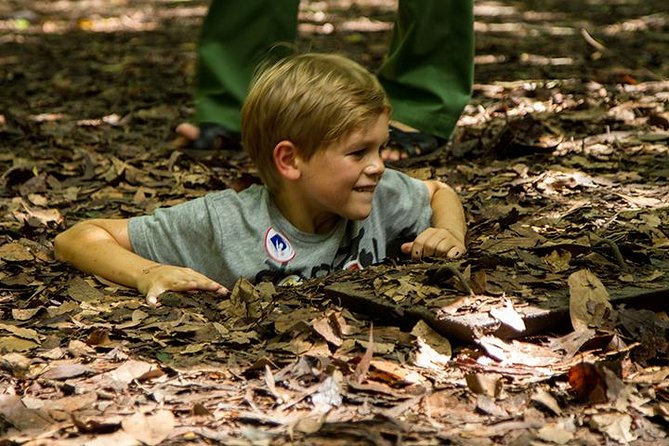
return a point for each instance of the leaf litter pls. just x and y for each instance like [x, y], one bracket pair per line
[553, 330]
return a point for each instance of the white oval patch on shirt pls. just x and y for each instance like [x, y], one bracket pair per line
[278, 247]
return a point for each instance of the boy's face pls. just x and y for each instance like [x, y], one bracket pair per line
[340, 180]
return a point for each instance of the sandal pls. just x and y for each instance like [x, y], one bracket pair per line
[412, 143]
[216, 137]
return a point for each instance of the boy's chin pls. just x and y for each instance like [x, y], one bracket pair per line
[358, 215]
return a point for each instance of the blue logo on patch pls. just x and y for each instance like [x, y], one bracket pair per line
[278, 243]
[278, 247]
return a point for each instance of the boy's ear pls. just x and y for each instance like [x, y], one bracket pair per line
[286, 159]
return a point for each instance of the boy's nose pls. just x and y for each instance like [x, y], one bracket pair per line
[375, 166]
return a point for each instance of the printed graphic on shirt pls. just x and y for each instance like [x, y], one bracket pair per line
[353, 265]
[278, 247]
[350, 255]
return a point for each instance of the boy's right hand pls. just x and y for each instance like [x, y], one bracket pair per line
[157, 279]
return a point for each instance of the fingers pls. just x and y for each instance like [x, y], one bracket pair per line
[152, 300]
[414, 249]
[192, 284]
[152, 295]
[178, 279]
[455, 252]
[434, 242]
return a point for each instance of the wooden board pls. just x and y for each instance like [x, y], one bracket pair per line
[471, 324]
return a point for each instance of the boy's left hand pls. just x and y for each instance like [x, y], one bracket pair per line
[435, 242]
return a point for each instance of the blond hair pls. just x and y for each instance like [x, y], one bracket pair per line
[311, 100]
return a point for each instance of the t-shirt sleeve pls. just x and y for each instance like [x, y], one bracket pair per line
[404, 205]
[180, 235]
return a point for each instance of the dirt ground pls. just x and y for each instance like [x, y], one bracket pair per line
[553, 329]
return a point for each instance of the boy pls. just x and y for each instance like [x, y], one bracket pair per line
[314, 125]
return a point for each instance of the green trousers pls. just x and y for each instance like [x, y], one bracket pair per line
[427, 73]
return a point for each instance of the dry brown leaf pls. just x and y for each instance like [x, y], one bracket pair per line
[82, 291]
[362, 367]
[323, 327]
[73, 403]
[151, 429]
[520, 353]
[246, 300]
[15, 252]
[25, 314]
[434, 350]
[509, 316]
[649, 376]
[119, 438]
[489, 384]
[129, 371]
[600, 382]
[547, 400]
[310, 424]
[394, 374]
[16, 364]
[54, 353]
[329, 391]
[589, 304]
[643, 202]
[588, 382]
[15, 344]
[278, 394]
[66, 371]
[99, 337]
[617, 426]
[486, 404]
[561, 432]
[288, 321]
[18, 415]
[558, 260]
[78, 348]
[572, 342]
[25, 333]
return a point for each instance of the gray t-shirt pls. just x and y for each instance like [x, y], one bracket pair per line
[226, 235]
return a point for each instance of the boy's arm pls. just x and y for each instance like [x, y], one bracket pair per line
[102, 247]
[446, 236]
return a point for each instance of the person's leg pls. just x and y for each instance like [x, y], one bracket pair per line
[429, 70]
[235, 37]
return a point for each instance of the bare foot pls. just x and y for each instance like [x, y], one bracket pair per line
[187, 134]
[188, 131]
[394, 154]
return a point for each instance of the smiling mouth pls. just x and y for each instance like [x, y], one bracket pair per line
[364, 189]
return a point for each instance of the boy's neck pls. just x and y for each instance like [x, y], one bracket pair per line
[294, 210]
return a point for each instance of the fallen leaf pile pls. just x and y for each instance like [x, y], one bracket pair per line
[552, 330]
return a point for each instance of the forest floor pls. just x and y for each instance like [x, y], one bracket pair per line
[552, 330]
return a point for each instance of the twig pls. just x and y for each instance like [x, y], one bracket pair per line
[616, 252]
[69, 389]
[601, 48]
[456, 272]
[592, 41]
